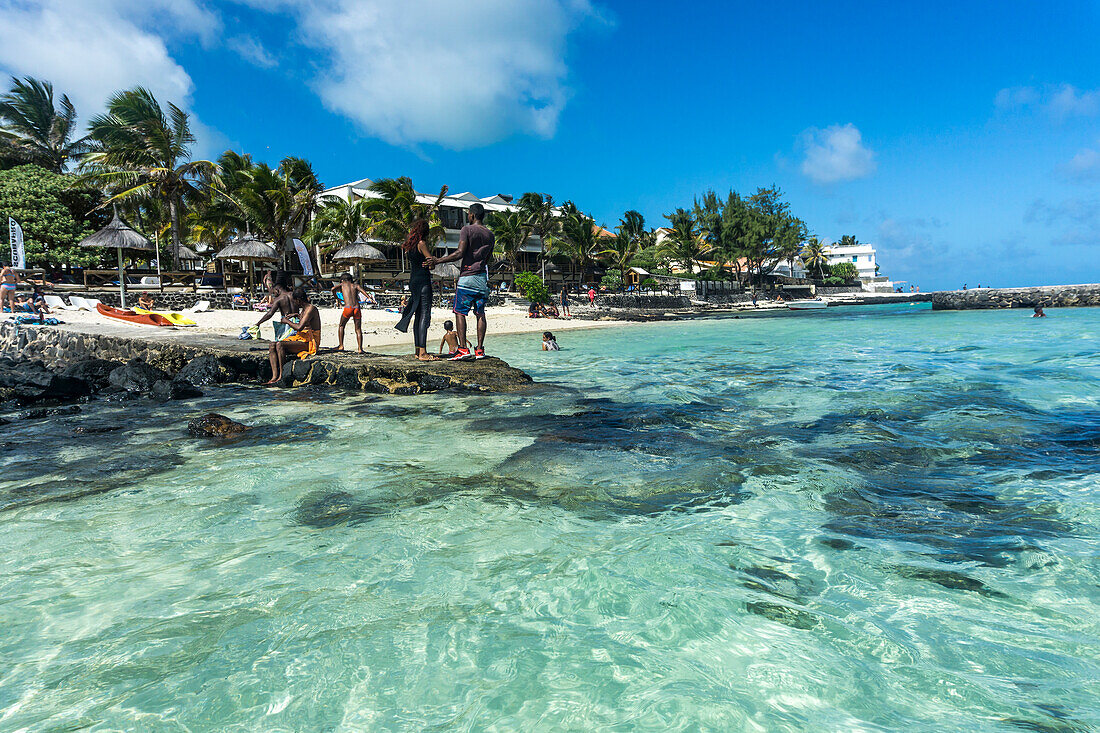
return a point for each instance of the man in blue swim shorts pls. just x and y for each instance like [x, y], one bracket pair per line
[475, 247]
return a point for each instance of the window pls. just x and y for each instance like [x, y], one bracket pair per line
[855, 259]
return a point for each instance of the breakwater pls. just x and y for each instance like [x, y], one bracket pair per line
[204, 359]
[1046, 296]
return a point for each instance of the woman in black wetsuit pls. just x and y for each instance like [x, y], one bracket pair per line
[419, 308]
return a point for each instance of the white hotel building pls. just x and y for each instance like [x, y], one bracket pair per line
[865, 259]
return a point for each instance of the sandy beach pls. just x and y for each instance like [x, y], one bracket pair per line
[378, 330]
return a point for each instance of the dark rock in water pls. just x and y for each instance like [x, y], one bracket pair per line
[137, 376]
[206, 369]
[213, 425]
[948, 579]
[93, 371]
[792, 617]
[81, 430]
[30, 381]
[176, 389]
[41, 412]
[321, 509]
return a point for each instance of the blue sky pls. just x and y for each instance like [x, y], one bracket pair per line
[963, 139]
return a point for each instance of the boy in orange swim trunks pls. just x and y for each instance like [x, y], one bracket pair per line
[305, 341]
[350, 290]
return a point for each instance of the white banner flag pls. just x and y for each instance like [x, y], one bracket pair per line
[15, 236]
[303, 257]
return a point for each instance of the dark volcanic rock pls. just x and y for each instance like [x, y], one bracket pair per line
[206, 369]
[213, 425]
[30, 381]
[38, 413]
[176, 389]
[137, 376]
[93, 371]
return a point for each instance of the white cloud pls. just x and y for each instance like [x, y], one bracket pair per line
[835, 154]
[1060, 101]
[460, 75]
[1084, 166]
[92, 48]
[1077, 219]
[252, 51]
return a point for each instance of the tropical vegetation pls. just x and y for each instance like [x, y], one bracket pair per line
[61, 182]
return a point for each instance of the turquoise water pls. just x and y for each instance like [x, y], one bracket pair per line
[866, 519]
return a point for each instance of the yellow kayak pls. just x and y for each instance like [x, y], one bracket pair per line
[177, 319]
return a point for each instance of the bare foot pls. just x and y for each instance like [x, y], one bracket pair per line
[425, 357]
[271, 383]
[339, 348]
[360, 352]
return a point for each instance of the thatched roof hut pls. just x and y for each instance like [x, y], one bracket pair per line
[248, 249]
[361, 252]
[118, 235]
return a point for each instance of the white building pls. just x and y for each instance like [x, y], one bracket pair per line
[452, 210]
[861, 255]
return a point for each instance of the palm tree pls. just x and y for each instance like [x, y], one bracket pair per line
[139, 151]
[511, 230]
[542, 218]
[36, 131]
[813, 255]
[848, 240]
[395, 207]
[622, 249]
[339, 221]
[684, 245]
[579, 241]
[276, 202]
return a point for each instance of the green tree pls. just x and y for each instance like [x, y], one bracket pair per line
[394, 207]
[848, 240]
[510, 230]
[339, 222]
[846, 271]
[140, 151]
[532, 287]
[276, 203]
[54, 215]
[36, 131]
[813, 256]
[684, 245]
[579, 241]
[622, 249]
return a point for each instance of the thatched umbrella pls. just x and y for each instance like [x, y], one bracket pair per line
[119, 235]
[250, 250]
[360, 252]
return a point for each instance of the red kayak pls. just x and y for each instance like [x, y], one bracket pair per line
[150, 319]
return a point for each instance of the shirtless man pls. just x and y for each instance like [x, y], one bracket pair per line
[8, 282]
[306, 340]
[350, 290]
[283, 304]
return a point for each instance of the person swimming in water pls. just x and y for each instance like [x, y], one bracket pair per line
[549, 343]
[306, 339]
[1038, 312]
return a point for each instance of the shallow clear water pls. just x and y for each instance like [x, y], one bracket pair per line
[863, 519]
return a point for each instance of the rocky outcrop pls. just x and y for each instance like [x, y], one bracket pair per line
[213, 425]
[1046, 296]
[208, 360]
[27, 382]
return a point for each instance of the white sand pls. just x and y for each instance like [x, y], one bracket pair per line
[378, 330]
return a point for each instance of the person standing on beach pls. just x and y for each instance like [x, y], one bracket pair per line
[591, 295]
[418, 308]
[9, 281]
[350, 290]
[475, 247]
[565, 301]
[283, 304]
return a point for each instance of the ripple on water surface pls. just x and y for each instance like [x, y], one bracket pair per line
[864, 519]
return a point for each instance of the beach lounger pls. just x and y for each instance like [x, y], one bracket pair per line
[91, 303]
[80, 303]
[56, 303]
[201, 307]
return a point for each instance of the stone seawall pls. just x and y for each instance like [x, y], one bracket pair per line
[182, 300]
[244, 362]
[1047, 296]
